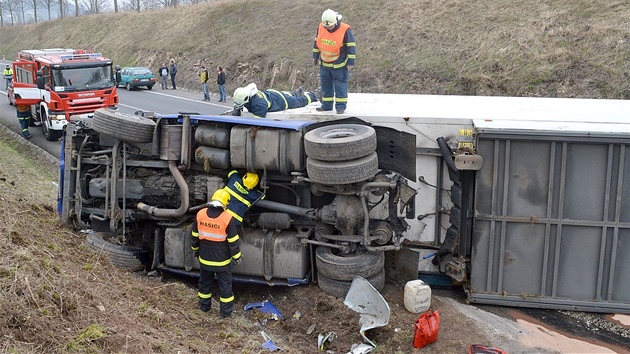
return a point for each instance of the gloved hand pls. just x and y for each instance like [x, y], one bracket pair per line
[237, 261]
[196, 254]
[236, 112]
[315, 62]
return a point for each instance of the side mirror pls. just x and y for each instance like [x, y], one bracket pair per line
[41, 83]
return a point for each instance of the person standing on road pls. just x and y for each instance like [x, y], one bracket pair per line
[164, 76]
[24, 115]
[243, 193]
[8, 76]
[215, 243]
[221, 84]
[203, 76]
[259, 103]
[335, 50]
[173, 72]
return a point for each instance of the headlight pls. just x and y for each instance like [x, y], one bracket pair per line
[57, 117]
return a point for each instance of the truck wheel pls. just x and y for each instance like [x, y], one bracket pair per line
[340, 142]
[342, 172]
[339, 288]
[132, 258]
[125, 127]
[51, 135]
[345, 268]
[128, 87]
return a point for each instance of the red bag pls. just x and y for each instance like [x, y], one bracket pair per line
[426, 329]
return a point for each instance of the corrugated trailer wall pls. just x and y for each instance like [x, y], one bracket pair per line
[552, 221]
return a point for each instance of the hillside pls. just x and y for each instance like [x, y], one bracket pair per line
[564, 48]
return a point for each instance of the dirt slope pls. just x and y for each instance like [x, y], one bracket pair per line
[566, 48]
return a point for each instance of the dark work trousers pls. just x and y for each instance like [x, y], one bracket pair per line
[226, 296]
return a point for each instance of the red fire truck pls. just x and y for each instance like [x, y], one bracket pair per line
[59, 83]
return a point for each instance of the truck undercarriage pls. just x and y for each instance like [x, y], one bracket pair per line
[330, 210]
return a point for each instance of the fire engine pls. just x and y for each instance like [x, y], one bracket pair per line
[59, 83]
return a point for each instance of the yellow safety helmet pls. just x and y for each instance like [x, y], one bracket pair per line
[219, 199]
[330, 18]
[250, 180]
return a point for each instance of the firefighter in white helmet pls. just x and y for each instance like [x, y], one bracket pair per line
[259, 102]
[335, 50]
[215, 243]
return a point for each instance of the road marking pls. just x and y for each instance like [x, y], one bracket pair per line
[187, 99]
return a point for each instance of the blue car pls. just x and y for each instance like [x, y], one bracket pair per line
[134, 77]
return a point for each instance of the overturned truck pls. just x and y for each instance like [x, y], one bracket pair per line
[520, 200]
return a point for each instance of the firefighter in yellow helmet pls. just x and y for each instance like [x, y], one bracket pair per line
[215, 242]
[243, 193]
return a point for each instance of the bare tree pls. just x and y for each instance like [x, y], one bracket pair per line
[48, 4]
[94, 6]
[33, 4]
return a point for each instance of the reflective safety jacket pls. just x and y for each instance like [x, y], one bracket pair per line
[215, 236]
[241, 197]
[335, 48]
[275, 101]
[8, 73]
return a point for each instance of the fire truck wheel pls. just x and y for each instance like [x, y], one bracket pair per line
[340, 142]
[132, 258]
[342, 172]
[339, 289]
[50, 135]
[345, 267]
[126, 127]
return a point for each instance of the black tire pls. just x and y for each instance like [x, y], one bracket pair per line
[50, 135]
[342, 172]
[9, 98]
[126, 127]
[128, 87]
[150, 87]
[345, 268]
[340, 142]
[132, 258]
[339, 288]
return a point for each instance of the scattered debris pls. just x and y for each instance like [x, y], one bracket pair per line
[426, 329]
[484, 349]
[297, 315]
[324, 340]
[366, 300]
[266, 307]
[269, 344]
[311, 328]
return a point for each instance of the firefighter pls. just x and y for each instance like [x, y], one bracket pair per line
[243, 193]
[215, 243]
[24, 115]
[335, 50]
[8, 76]
[259, 102]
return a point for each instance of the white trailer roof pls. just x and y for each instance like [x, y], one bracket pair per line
[488, 112]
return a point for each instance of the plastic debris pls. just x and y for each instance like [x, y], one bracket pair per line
[311, 328]
[367, 301]
[324, 340]
[297, 315]
[266, 307]
[269, 344]
[484, 349]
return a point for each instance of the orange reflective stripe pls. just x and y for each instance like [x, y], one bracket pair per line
[330, 44]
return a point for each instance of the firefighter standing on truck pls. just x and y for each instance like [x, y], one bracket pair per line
[335, 50]
[243, 193]
[215, 242]
[8, 76]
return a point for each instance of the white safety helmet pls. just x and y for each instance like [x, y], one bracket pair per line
[330, 18]
[242, 94]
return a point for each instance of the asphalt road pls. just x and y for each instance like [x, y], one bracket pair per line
[156, 100]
